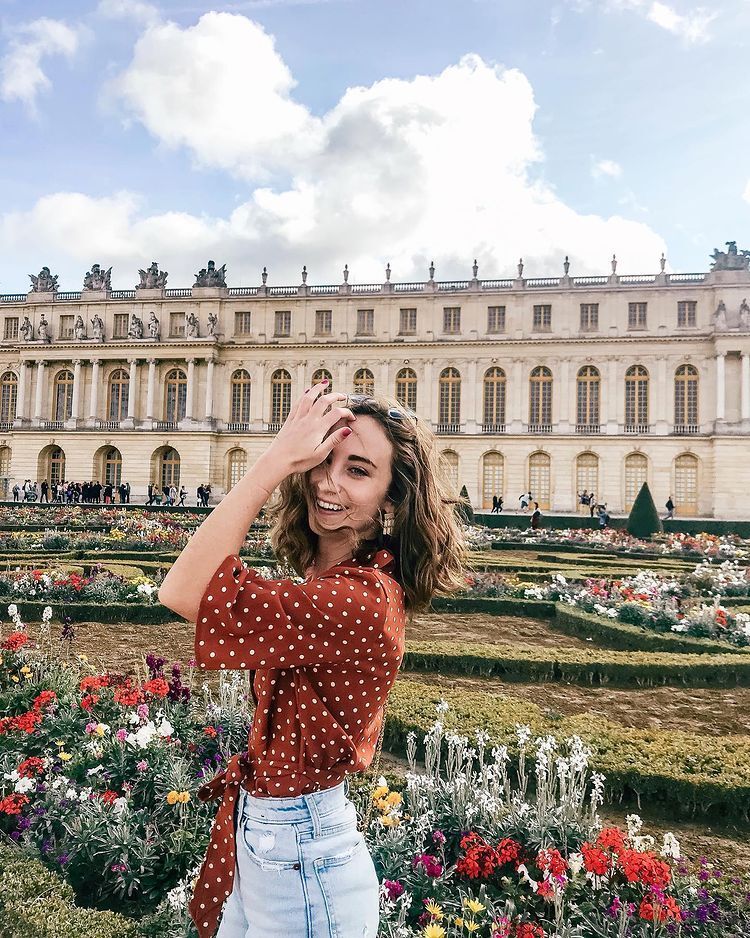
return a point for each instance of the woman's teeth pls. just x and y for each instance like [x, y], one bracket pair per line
[328, 506]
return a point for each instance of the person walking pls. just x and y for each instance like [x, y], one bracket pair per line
[183, 495]
[127, 493]
[536, 517]
[44, 488]
[16, 492]
[603, 517]
[670, 509]
[286, 798]
[206, 493]
[172, 494]
[592, 504]
[150, 493]
[494, 505]
[524, 501]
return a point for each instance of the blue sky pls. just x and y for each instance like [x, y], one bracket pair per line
[321, 133]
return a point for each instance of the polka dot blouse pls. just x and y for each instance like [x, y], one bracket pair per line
[325, 655]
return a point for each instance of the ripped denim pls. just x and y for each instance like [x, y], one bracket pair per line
[303, 870]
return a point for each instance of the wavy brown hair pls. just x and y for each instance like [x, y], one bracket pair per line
[427, 539]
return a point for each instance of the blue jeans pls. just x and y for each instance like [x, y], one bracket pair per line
[303, 870]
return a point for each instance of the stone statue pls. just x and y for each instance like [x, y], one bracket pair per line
[744, 316]
[97, 327]
[475, 268]
[213, 321]
[191, 326]
[720, 316]
[79, 329]
[432, 271]
[153, 278]
[731, 259]
[264, 276]
[44, 283]
[346, 273]
[614, 264]
[520, 268]
[662, 262]
[154, 329]
[566, 265]
[304, 273]
[44, 335]
[211, 276]
[136, 327]
[27, 329]
[97, 279]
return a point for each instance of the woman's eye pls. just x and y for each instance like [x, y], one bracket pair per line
[357, 469]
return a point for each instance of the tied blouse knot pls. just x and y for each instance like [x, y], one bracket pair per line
[325, 655]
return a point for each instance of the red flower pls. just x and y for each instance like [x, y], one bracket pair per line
[209, 731]
[44, 699]
[529, 930]
[544, 889]
[27, 722]
[108, 796]
[15, 641]
[610, 838]
[93, 683]
[128, 697]
[13, 804]
[156, 686]
[553, 861]
[595, 860]
[88, 701]
[645, 868]
[31, 767]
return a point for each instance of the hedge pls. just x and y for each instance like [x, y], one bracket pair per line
[579, 666]
[558, 522]
[495, 606]
[682, 773]
[138, 613]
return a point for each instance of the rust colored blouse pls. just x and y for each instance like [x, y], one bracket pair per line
[325, 656]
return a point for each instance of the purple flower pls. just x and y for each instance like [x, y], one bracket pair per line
[438, 837]
[393, 888]
[63, 859]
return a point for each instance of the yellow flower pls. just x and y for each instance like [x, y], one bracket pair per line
[183, 797]
[434, 909]
[394, 798]
[14, 678]
[65, 756]
[471, 927]
[433, 931]
[380, 792]
[172, 797]
[458, 922]
[83, 657]
[473, 906]
[25, 669]
[389, 821]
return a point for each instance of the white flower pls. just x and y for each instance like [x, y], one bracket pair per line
[165, 728]
[143, 737]
[671, 846]
[119, 804]
[25, 784]
[71, 793]
[13, 608]
[575, 863]
[47, 613]
[525, 878]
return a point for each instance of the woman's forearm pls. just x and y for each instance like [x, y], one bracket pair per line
[222, 533]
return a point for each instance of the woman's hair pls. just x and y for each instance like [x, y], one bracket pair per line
[426, 537]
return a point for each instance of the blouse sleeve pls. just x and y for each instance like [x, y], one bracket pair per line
[245, 621]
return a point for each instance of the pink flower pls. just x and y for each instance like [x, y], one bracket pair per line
[90, 728]
[393, 888]
[142, 765]
[142, 711]
[122, 735]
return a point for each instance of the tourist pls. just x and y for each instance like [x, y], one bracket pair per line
[16, 492]
[592, 504]
[206, 493]
[499, 504]
[44, 488]
[525, 500]
[199, 496]
[127, 493]
[108, 493]
[172, 494]
[183, 495]
[348, 553]
[165, 493]
[536, 517]
[670, 509]
[603, 517]
[583, 498]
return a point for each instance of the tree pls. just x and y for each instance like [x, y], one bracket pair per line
[643, 520]
[463, 508]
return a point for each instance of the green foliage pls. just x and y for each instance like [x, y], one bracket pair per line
[463, 508]
[643, 520]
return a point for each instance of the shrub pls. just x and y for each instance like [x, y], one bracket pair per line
[463, 508]
[643, 520]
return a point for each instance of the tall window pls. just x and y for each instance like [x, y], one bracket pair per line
[281, 396]
[589, 317]
[636, 398]
[176, 397]
[542, 318]
[282, 323]
[449, 406]
[493, 477]
[8, 397]
[66, 326]
[169, 469]
[241, 384]
[119, 386]
[637, 315]
[540, 397]
[10, 327]
[112, 467]
[636, 473]
[242, 323]
[406, 388]
[587, 477]
[364, 382]
[63, 395]
[494, 400]
[686, 484]
[237, 466]
[539, 478]
[322, 374]
[407, 323]
[365, 322]
[495, 319]
[450, 467]
[56, 466]
[588, 387]
[686, 313]
[451, 320]
[120, 330]
[323, 321]
[177, 325]
[686, 396]
[5, 461]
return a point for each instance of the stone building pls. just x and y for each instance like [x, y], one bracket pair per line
[552, 385]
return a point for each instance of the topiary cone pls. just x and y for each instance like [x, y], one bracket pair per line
[464, 508]
[643, 520]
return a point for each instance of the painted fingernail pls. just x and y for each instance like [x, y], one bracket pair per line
[346, 431]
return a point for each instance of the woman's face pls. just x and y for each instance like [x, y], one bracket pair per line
[355, 476]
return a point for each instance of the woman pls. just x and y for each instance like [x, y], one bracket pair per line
[536, 517]
[366, 513]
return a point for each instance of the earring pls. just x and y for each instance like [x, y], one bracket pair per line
[386, 520]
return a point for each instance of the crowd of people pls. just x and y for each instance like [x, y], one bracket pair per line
[586, 499]
[98, 493]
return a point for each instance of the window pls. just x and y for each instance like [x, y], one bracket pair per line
[177, 325]
[364, 382]
[56, 466]
[237, 465]
[242, 323]
[406, 388]
[281, 396]
[542, 318]
[5, 461]
[8, 397]
[449, 461]
[636, 473]
[240, 392]
[686, 484]
[169, 469]
[686, 398]
[365, 322]
[282, 324]
[493, 477]
[66, 327]
[495, 319]
[176, 397]
[112, 465]
[64, 395]
[452, 320]
[407, 322]
[587, 477]
[119, 386]
[637, 315]
[539, 479]
[449, 404]
[540, 399]
[686, 310]
[120, 326]
[322, 322]
[493, 410]
[322, 374]
[636, 399]
[589, 317]
[10, 328]
[588, 384]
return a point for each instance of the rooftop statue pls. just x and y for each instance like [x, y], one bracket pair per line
[731, 259]
[97, 327]
[153, 278]
[44, 282]
[79, 329]
[97, 279]
[154, 329]
[43, 330]
[191, 326]
[213, 320]
[27, 329]
[135, 330]
[211, 276]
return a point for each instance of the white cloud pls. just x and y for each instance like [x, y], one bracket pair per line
[692, 26]
[606, 168]
[21, 74]
[136, 10]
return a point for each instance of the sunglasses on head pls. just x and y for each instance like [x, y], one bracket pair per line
[395, 413]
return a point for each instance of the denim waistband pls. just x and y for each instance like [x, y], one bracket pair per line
[316, 804]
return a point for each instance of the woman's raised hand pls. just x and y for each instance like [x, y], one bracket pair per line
[304, 440]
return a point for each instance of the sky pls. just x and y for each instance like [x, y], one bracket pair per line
[283, 133]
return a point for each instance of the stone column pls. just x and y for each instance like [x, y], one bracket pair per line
[341, 382]
[190, 391]
[150, 389]
[745, 388]
[517, 418]
[429, 395]
[132, 387]
[72, 423]
[469, 408]
[39, 397]
[720, 386]
[662, 421]
[612, 392]
[94, 402]
[382, 384]
[301, 385]
[257, 393]
[563, 399]
[20, 417]
[209, 415]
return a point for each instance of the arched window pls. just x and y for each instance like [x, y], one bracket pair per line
[63, 395]
[364, 382]
[587, 477]
[5, 460]
[8, 397]
[686, 484]
[686, 399]
[540, 400]
[494, 401]
[176, 396]
[406, 388]
[539, 478]
[112, 467]
[240, 383]
[493, 477]
[56, 466]
[636, 473]
[450, 464]
[119, 387]
[588, 387]
[169, 468]
[323, 374]
[281, 396]
[237, 465]
[449, 406]
[636, 399]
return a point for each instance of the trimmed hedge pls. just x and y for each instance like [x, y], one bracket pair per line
[494, 606]
[579, 666]
[558, 522]
[683, 773]
[138, 613]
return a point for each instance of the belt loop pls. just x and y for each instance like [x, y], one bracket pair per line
[346, 786]
[312, 807]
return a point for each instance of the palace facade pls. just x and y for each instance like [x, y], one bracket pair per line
[552, 385]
